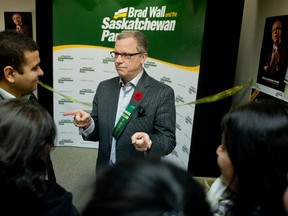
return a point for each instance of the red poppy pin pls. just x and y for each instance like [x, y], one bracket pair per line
[138, 95]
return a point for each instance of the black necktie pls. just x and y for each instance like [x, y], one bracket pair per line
[32, 97]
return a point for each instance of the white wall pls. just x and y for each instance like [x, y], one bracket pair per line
[253, 23]
[19, 6]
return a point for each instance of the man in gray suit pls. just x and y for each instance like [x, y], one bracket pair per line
[20, 71]
[133, 114]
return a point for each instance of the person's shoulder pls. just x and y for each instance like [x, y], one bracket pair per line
[58, 201]
[113, 80]
[26, 28]
[163, 84]
[153, 81]
[282, 45]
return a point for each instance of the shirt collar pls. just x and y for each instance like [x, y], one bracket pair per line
[134, 81]
[6, 95]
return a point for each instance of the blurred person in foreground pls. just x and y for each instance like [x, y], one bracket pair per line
[27, 135]
[142, 187]
[285, 197]
[253, 159]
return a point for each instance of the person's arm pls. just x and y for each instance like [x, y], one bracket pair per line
[58, 201]
[88, 131]
[83, 121]
[163, 137]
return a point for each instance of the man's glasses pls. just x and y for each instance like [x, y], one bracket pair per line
[124, 56]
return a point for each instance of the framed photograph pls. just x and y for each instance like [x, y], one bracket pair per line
[274, 57]
[19, 21]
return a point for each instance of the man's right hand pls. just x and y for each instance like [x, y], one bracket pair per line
[82, 119]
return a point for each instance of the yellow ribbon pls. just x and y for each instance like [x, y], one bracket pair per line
[219, 96]
[65, 96]
[208, 99]
[254, 94]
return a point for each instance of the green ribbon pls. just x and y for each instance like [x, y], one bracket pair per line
[122, 121]
[208, 99]
[219, 96]
[65, 96]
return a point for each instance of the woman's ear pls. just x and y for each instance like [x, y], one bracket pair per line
[9, 74]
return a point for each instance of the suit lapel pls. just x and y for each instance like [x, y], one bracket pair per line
[113, 102]
[142, 87]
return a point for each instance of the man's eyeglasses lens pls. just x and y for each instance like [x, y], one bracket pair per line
[123, 55]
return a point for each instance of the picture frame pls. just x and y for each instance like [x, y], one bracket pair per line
[26, 22]
[269, 80]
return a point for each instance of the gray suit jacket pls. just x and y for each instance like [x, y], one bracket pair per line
[154, 114]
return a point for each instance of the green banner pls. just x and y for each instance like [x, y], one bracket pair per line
[174, 28]
[84, 33]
